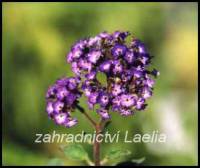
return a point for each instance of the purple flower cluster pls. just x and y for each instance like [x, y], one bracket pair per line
[129, 82]
[62, 98]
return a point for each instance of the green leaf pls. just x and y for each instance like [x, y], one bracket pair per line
[55, 162]
[102, 78]
[75, 152]
[117, 154]
[138, 161]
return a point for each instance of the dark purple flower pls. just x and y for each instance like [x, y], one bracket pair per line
[70, 99]
[51, 92]
[118, 50]
[117, 67]
[135, 43]
[142, 49]
[91, 75]
[155, 73]
[126, 76]
[121, 35]
[103, 99]
[138, 73]
[72, 83]
[145, 60]
[129, 57]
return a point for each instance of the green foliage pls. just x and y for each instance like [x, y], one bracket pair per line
[138, 161]
[55, 162]
[75, 152]
[117, 154]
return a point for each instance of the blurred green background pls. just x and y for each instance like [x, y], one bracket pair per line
[36, 38]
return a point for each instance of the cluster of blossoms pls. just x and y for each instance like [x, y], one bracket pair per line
[62, 98]
[129, 82]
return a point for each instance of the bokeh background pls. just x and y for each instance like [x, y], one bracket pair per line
[36, 39]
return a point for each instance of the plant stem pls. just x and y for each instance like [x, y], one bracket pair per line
[96, 147]
[98, 128]
[86, 115]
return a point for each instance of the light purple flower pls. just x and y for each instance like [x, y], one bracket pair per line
[94, 41]
[94, 56]
[146, 92]
[116, 89]
[71, 122]
[142, 49]
[104, 35]
[126, 112]
[103, 99]
[93, 97]
[77, 52]
[75, 68]
[61, 118]
[50, 108]
[91, 75]
[70, 57]
[149, 82]
[140, 104]
[58, 106]
[127, 100]
[51, 92]
[103, 113]
[84, 64]
[105, 66]
[62, 92]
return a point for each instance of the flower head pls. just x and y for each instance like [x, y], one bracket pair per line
[61, 98]
[127, 85]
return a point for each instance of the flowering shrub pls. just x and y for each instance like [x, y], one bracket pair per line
[129, 81]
